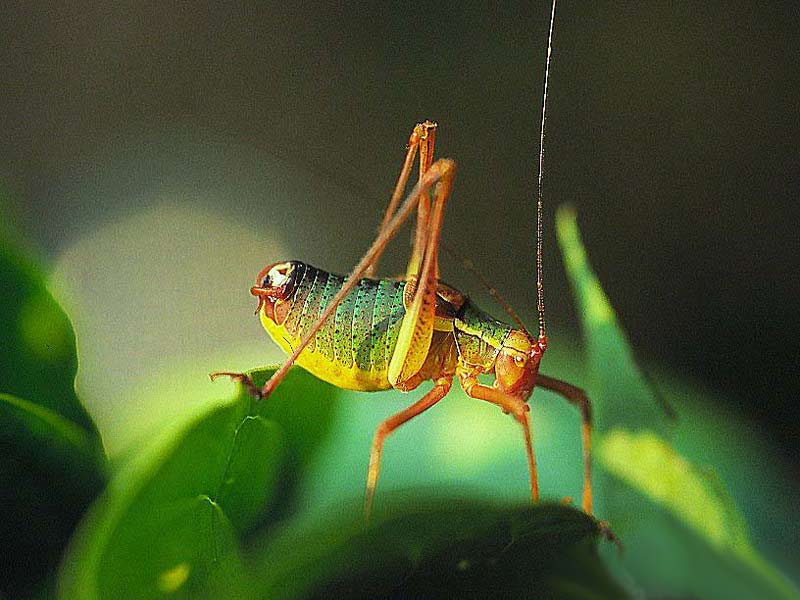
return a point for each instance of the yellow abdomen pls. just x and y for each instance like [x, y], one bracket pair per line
[327, 369]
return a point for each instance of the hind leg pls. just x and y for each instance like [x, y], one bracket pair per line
[438, 392]
[422, 139]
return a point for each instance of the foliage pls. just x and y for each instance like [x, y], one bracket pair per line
[216, 505]
[654, 492]
[173, 520]
[52, 460]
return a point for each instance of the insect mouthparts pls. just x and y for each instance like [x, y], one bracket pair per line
[259, 293]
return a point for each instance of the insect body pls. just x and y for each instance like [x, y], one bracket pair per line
[358, 347]
[374, 334]
[371, 334]
[354, 348]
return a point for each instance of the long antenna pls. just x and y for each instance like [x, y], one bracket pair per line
[539, 218]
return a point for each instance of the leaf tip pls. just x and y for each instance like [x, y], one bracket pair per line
[593, 299]
[657, 470]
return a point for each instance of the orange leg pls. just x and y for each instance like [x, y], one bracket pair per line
[241, 378]
[422, 139]
[510, 404]
[416, 331]
[426, 148]
[438, 392]
[440, 172]
[578, 397]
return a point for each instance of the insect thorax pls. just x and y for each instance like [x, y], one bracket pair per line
[479, 336]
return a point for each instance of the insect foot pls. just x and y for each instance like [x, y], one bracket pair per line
[241, 378]
[605, 532]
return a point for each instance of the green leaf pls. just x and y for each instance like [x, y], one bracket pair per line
[39, 360]
[649, 464]
[611, 364]
[51, 471]
[440, 549]
[694, 497]
[52, 460]
[304, 406]
[658, 500]
[170, 520]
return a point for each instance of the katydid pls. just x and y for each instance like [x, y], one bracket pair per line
[362, 333]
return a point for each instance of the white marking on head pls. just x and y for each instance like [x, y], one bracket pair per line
[279, 274]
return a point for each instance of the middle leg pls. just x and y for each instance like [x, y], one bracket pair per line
[510, 404]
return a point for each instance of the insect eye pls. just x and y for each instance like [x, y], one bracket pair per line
[277, 276]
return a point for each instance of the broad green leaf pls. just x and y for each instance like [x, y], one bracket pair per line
[652, 466]
[51, 471]
[304, 407]
[38, 361]
[170, 520]
[51, 461]
[658, 500]
[696, 498]
[443, 549]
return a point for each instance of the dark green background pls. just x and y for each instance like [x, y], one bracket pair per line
[672, 127]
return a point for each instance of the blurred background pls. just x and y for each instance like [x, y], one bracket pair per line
[160, 154]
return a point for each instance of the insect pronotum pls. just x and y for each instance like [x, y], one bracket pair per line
[368, 334]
